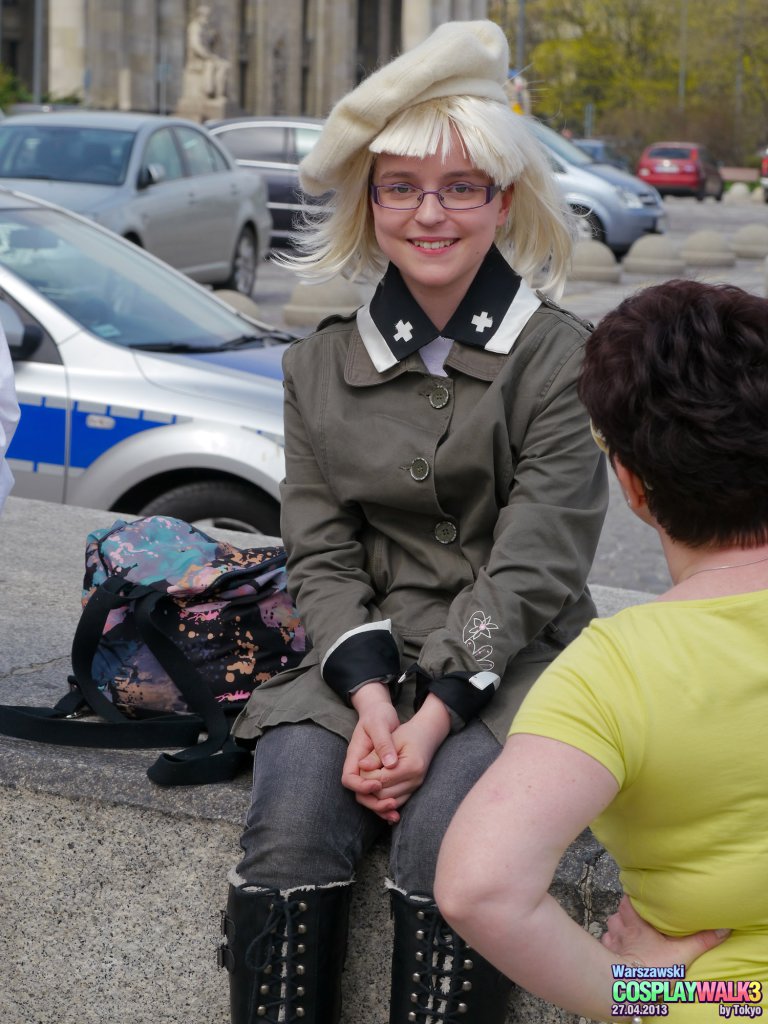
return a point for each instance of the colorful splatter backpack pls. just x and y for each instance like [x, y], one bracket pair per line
[177, 629]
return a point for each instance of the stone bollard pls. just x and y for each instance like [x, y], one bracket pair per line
[708, 249]
[654, 254]
[757, 195]
[737, 193]
[593, 261]
[751, 241]
[310, 303]
[239, 302]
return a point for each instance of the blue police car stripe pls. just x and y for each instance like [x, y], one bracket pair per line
[91, 437]
[40, 435]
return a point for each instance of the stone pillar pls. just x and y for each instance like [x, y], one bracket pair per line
[275, 58]
[417, 22]
[66, 48]
[171, 23]
[388, 47]
[105, 53]
[139, 57]
[332, 44]
[462, 10]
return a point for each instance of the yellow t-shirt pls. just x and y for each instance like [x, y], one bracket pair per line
[672, 698]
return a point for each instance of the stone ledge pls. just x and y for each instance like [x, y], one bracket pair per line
[113, 886]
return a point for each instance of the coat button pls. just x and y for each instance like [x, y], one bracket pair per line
[419, 469]
[439, 397]
[446, 532]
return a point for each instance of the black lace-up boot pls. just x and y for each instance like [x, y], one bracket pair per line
[285, 954]
[436, 977]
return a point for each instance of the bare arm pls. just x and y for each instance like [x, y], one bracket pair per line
[497, 862]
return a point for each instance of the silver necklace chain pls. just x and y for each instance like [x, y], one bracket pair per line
[716, 568]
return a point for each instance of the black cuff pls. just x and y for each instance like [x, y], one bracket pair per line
[463, 693]
[369, 654]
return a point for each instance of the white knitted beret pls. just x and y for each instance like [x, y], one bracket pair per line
[460, 58]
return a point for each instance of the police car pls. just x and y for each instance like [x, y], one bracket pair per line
[140, 391]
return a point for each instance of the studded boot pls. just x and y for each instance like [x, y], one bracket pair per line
[436, 977]
[285, 953]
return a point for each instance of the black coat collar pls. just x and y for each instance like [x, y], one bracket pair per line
[491, 315]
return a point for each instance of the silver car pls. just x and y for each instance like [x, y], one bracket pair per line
[140, 391]
[615, 207]
[161, 182]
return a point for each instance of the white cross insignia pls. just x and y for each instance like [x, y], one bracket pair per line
[482, 321]
[404, 331]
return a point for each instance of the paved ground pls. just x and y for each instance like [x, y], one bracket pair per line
[629, 555]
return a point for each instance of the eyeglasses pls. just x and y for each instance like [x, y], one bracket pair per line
[602, 443]
[599, 438]
[460, 196]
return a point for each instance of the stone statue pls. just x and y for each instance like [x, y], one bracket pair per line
[209, 69]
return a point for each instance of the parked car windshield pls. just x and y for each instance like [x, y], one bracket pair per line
[93, 156]
[670, 152]
[561, 146]
[108, 286]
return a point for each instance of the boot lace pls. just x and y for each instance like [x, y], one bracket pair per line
[441, 976]
[276, 957]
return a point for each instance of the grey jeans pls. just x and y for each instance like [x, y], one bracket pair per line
[304, 828]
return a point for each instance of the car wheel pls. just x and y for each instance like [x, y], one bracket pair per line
[588, 225]
[765, 194]
[243, 274]
[226, 505]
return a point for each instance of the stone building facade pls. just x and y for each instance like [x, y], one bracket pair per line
[291, 57]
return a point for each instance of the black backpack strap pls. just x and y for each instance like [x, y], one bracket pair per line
[195, 770]
[61, 724]
[112, 593]
[52, 725]
[217, 758]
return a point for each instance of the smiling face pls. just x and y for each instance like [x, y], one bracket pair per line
[437, 251]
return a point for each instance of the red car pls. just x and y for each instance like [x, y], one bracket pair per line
[764, 176]
[681, 169]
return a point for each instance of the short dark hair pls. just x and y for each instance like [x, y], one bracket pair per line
[676, 379]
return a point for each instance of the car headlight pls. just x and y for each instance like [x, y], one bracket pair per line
[630, 199]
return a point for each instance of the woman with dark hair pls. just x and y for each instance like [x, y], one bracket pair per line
[441, 507]
[651, 726]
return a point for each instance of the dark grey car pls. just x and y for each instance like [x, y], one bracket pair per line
[273, 146]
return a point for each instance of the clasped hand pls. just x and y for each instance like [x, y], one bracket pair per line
[388, 760]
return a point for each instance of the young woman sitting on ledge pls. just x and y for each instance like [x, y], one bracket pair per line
[441, 507]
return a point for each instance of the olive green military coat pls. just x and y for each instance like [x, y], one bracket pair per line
[464, 509]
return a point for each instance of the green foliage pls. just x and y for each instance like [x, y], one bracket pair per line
[11, 89]
[70, 99]
[645, 70]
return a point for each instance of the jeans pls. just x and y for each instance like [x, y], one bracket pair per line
[304, 828]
